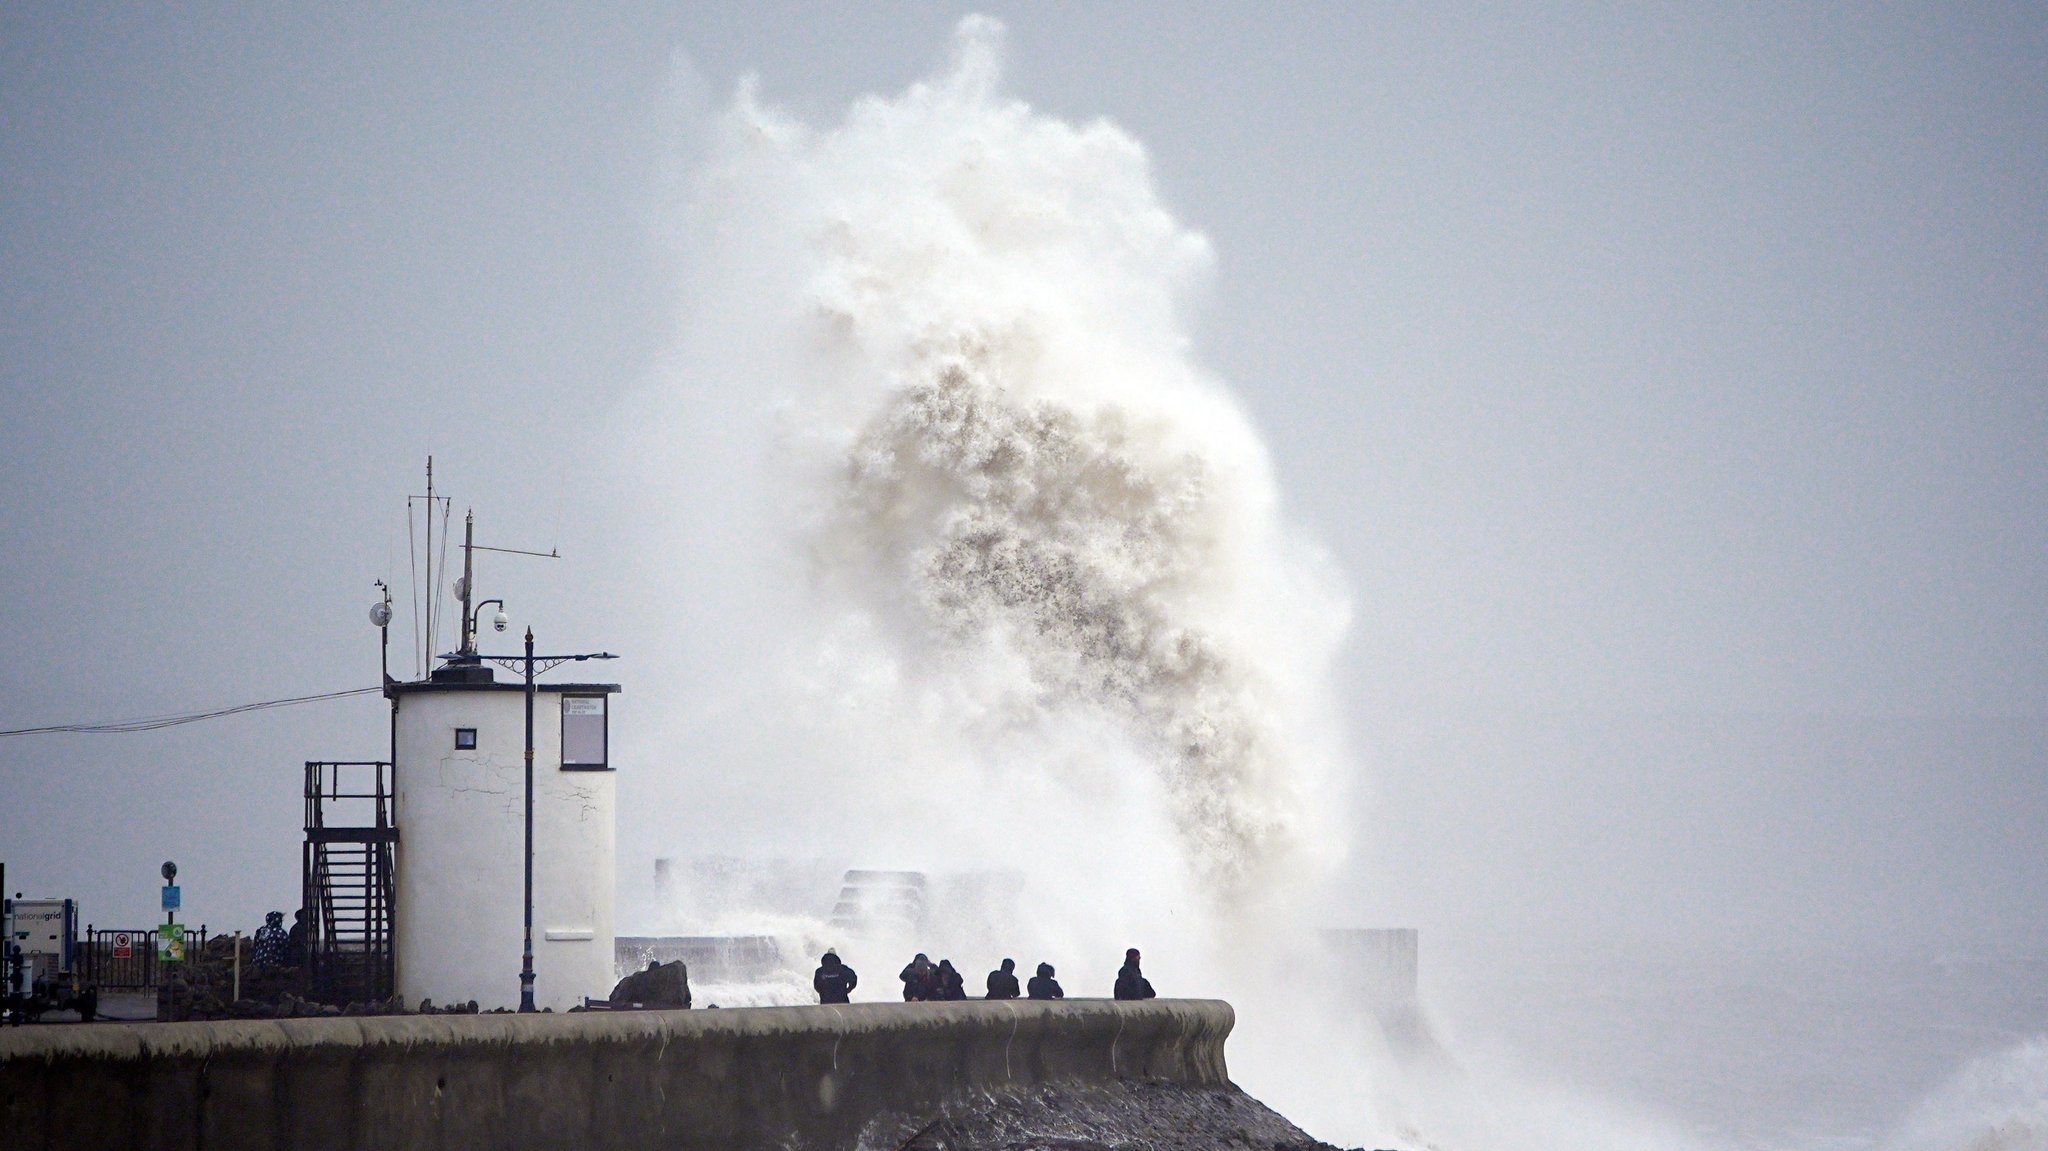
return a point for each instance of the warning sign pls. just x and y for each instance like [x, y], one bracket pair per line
[124, 945]
[170, 943]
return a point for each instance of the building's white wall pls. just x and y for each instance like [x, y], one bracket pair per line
[461, 834]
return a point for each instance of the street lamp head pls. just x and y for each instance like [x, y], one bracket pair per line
[501, 621]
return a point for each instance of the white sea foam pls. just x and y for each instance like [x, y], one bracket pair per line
[994, 575]
[1048, 598]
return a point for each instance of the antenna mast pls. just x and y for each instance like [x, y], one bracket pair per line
[427, 650]
[425, 597]
[468, 582]
[428, 654]
[465, 588]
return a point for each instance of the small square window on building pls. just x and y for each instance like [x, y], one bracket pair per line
[465, 739]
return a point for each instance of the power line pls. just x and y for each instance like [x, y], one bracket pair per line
[155, 723]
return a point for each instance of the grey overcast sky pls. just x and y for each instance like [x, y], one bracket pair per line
[1666, 381]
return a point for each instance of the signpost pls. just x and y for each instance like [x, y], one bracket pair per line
[170, 941]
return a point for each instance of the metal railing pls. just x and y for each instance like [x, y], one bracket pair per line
[102, 963]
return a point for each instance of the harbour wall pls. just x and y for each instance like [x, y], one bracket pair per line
[824, 1076]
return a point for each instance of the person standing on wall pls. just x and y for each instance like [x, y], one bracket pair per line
[947, 982]
[834, 981]
[1002, 983]
[920, 979]
[1043, 985]
[1131, 982]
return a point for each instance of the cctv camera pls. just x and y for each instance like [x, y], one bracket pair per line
[500, 620]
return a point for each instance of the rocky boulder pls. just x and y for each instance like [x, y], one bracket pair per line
[662, 986]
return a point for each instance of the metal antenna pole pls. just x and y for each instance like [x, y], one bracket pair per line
[526, 969]
[468, 581]
[428, 648]
[429, 653]
[384, 632]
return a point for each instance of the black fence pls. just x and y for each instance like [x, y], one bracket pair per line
[125, 957]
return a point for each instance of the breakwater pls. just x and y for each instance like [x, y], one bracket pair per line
[827, 1077]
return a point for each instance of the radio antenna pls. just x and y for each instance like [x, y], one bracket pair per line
[426, 595]
[466, 586]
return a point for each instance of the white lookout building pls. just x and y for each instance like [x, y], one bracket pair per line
[459, 775]
[416, 869]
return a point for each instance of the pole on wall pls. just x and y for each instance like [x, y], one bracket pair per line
[526, 960]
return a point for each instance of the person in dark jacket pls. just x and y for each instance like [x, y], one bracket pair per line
[1043, 985]
[1002, 984]
[947, 982]
[1131, 982]
[834, 981]
[918, 979]
[295, 940]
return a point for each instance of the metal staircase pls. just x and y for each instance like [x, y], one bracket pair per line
[346, 870]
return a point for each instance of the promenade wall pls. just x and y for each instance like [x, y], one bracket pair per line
[824, 1077]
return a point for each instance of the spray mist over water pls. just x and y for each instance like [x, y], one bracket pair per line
[1020, 478]
[995, 580]
[1005, 584]
[1043, 578]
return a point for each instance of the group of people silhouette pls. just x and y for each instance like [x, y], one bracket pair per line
[924, 981]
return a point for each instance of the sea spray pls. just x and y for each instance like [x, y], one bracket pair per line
[983, 571]
[1003, 581]
[1044, 560]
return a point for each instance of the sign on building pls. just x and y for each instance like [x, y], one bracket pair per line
[583, 733]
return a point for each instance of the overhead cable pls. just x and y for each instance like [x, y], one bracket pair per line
[155, 723]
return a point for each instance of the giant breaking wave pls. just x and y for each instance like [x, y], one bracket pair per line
[1025, 511]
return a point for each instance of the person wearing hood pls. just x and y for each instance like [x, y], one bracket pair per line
[919, 979]
[1131, 982]
[1043, 985]
[834, 981]
[1002, 983]
[270, 940]
[947, 983]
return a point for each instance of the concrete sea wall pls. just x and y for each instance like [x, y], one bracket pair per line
[826, 1077]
